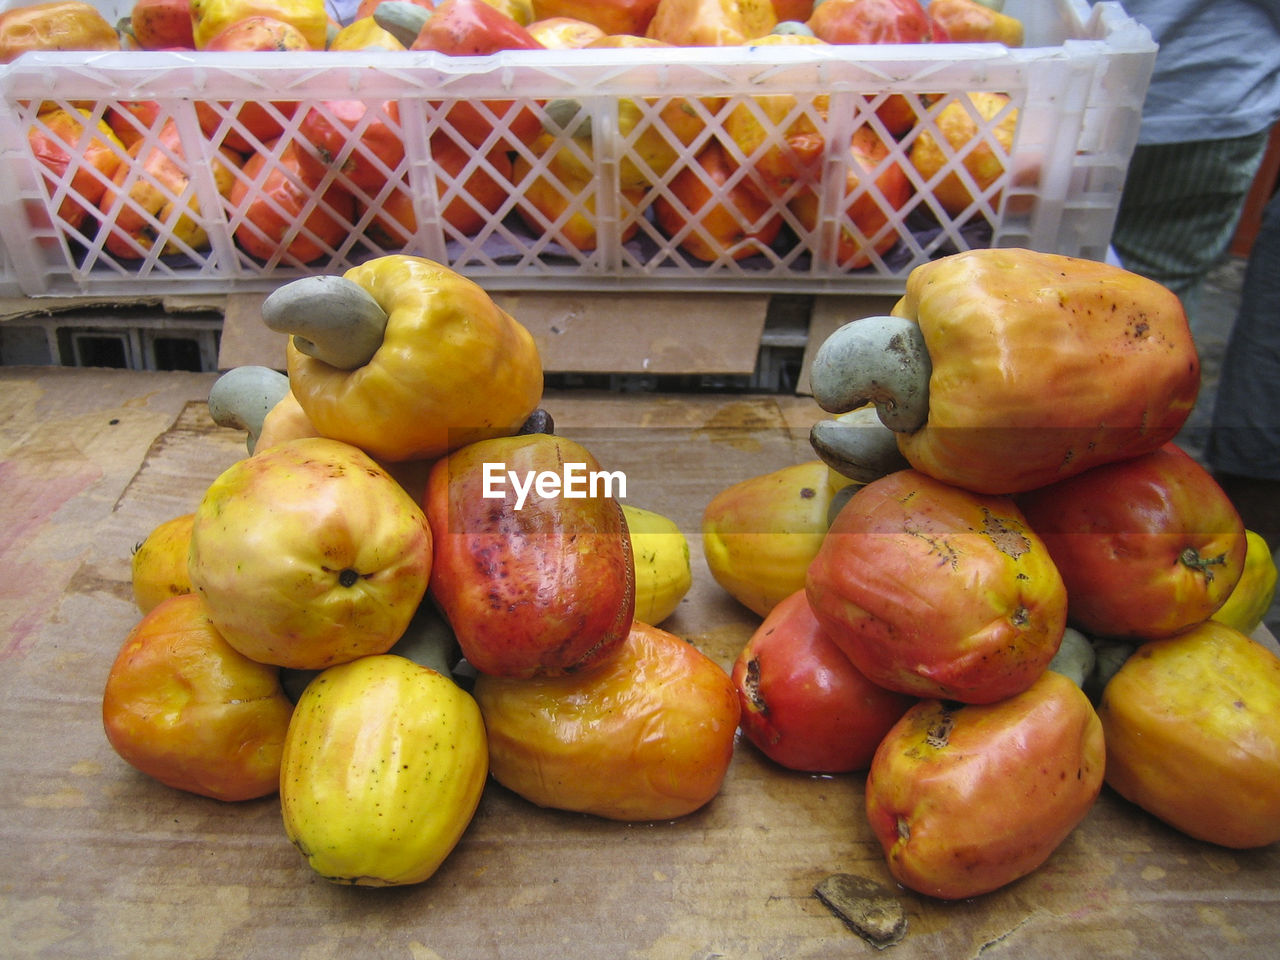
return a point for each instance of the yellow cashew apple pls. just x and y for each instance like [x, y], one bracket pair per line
[309, 554]
[1255, 591]
[1192, 725]
[660, 552]
[383, 767]
[760, 534]
[158, 569]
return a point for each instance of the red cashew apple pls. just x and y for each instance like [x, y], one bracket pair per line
[967, 798]
[1147, 546]
[935, 591]
[533, 566]
[805, 706]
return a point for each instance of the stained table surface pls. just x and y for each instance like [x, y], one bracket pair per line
[104, 862]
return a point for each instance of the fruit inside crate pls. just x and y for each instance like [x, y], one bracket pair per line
[771, 166]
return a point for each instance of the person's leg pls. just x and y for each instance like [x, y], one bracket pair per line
[1243, 448]
[1180, 206]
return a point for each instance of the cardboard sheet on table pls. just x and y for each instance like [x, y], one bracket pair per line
[105, 863]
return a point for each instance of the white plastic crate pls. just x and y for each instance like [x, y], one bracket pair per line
[1077, 87]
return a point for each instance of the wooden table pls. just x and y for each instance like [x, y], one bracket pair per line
[102, 862]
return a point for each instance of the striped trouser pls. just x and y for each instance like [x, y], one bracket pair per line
[1180, 206]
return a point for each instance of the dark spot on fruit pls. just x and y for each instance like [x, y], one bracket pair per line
[751, 686]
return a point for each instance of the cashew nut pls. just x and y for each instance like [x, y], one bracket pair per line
[331, 318]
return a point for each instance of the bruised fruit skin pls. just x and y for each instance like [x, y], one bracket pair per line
[383, 769]
[309, 554]
[185, 708]
[647, 736]
[967, 798]
[534, 584]
[935, 591]
[804, 704]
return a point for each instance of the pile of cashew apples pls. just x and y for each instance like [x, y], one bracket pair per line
[1001, 586]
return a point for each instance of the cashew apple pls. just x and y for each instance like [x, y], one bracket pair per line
[965, 799]
[935, 591]
[535, 578]
[309, 554]
[647, 736]
[1002, 370]
[183, 706]
[383, 767]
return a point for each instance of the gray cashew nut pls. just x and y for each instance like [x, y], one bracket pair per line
[401, 19]
[879, 360]
[243, 396]
[857, 445]
[331, 318]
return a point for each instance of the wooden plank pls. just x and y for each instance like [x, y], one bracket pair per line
[246, 340]
[652, 333]
[578, 332]
[24, 308]
[830, 312]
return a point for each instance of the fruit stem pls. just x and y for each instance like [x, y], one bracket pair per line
[1190, 557]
